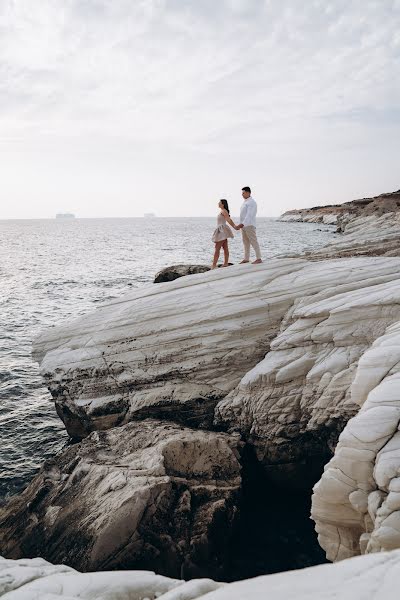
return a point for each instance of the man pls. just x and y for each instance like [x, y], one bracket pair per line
[248, 213]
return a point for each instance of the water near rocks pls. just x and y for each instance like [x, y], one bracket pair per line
[54, 270]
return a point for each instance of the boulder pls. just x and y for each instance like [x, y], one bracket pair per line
[148, 494]
[363, 578]
[176, 271]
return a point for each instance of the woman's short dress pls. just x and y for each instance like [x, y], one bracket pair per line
[223, 231]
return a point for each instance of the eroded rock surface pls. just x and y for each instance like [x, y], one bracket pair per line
[356, 504]
[168, 351]
[369, 235]
[340, 214]
[146, 495]
[272, 351]
[37, 579]
[372, 577]
[174, 350]
[276, 344]
[294, 403]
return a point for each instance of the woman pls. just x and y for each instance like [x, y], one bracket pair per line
[222, 233]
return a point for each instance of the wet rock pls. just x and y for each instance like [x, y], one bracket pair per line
[176, 271]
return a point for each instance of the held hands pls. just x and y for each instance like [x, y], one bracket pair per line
[240, 226]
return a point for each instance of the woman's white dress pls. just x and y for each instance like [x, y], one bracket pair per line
[223, 231]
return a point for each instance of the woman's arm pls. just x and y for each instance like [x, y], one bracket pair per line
[227, 217]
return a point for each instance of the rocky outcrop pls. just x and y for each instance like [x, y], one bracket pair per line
[356, 504]
[293, 404]
[341, 214]
[168, 351]
[328, 215]
[364, 236]
[176, 271]
[283, 353]
[364, 578]
[146, 495]
[270, 351]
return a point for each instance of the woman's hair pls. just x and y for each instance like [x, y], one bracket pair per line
[225, 205]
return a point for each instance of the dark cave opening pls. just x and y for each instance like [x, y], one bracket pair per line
[274, 531]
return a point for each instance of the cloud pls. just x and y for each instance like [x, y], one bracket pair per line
[144, 66]
[255, 75]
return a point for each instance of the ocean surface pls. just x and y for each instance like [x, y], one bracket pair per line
[52, 270]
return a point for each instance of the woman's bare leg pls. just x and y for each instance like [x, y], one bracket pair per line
[226, 253]
[218, 246]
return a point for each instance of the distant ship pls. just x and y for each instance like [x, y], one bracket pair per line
[149, 215]
[65, 216]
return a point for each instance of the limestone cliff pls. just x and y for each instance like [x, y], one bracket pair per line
[287, 354]
[340, 213]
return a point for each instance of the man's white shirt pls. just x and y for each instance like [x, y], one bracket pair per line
[248, 212]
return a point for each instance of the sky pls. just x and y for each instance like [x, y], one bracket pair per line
[115, 108]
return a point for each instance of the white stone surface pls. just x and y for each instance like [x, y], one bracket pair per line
[173, 350]
[370, 235]
[302, 386]
[356, 504]
[374, 577]
[167, 349]
[309, 217]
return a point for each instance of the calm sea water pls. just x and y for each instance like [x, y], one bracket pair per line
[53, 270]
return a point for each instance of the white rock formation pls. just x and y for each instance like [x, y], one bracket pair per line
[275, 351]
[374, 577]
[370, 235]
[356, 504]
[146, 495]
[304, 217]
[349, 212]
[169, 350]
[37, 579]
[173, 350]
[288, 403]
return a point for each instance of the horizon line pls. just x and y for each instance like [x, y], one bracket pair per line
[75, 218]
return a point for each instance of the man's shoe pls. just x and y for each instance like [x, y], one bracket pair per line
[257, 262]
[242, 262]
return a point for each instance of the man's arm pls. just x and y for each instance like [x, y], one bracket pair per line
[243, 211]
[251, 211]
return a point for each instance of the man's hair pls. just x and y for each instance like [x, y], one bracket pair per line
[246, 189]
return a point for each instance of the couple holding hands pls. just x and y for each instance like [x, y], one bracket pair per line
[248, 212]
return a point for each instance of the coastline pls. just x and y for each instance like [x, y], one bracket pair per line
[282, 360]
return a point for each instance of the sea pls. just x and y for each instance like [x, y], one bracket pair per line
[53, 270]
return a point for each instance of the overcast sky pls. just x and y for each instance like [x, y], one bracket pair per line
[120, 107]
